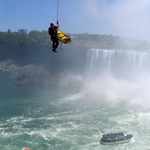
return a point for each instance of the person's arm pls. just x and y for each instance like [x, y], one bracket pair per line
[57, 24]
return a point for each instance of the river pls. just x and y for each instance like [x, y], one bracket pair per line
[45, 120]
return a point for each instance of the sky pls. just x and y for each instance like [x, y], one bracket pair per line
[125, 18]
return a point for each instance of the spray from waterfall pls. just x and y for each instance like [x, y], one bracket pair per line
[118, 74]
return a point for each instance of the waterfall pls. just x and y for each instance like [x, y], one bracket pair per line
[117, 63]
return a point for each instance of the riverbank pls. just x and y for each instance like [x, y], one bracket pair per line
[28, 75]
[38, 76]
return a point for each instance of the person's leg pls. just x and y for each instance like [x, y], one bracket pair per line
[57, 43]
[54, 47]
[54, 44]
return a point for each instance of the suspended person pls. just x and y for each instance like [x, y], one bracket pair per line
[53, 33]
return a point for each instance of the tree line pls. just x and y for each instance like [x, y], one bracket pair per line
[41, 38]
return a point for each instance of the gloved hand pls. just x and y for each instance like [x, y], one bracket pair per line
[57, 22]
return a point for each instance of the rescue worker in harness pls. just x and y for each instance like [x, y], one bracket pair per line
[53, 33]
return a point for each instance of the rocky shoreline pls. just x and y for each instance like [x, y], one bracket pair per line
[38, 76]
[29, 75]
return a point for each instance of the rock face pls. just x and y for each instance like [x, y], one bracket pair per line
[28, 75]
[40, 67]
[38, 76]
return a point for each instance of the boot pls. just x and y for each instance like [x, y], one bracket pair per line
[54, 50]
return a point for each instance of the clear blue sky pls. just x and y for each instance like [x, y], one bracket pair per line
[125, 18]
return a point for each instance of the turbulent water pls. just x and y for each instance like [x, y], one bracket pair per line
[42, 120]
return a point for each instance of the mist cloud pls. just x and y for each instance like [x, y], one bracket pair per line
[108, 88]
[123, 18]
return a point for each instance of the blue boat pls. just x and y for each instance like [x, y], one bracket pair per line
[115, 138]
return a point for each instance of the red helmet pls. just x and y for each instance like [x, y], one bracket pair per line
[52, 24]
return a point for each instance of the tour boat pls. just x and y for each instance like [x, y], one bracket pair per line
[115, 138]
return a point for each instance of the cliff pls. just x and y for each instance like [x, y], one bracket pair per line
[44, 68]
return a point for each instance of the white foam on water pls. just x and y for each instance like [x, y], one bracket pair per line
[79, 128]
[73, 96]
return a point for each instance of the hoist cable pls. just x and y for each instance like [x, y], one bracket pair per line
[57, 8]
